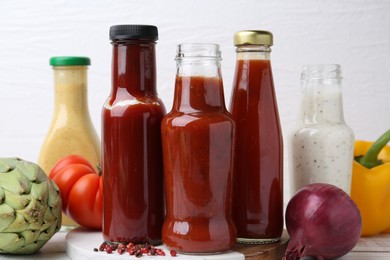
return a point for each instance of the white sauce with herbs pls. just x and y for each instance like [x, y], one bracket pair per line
[322, 144]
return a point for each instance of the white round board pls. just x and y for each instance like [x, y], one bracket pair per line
[81, 242]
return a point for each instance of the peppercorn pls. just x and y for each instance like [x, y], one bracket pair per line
[138, 253]
[131, 251]
[109, 249]
[129, 245]
[152, 251]
[102, 246]
[160, 252]
[121, 249]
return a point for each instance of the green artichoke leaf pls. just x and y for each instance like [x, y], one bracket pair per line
[16, 201]
[34, 212]
[40, 191]
[10, 242]
[48, 233]
[7, 164]
[54, 200]
[31, 248]
[30, 236]
[32, 171]
[15, 181]
[7, 216]
[57, 213]
[18, 225]
[49, 219]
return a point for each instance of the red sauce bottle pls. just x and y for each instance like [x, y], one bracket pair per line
[198, 140]
[133, 206]
[258, 172]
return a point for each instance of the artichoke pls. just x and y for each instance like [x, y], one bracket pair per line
[30, 207]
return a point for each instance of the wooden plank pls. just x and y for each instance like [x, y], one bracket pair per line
[368, 248]
[379, 243]
[264, 252]
[366, 256]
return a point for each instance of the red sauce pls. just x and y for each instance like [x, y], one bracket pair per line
[258, 172]
[198, 161]
[133, 206]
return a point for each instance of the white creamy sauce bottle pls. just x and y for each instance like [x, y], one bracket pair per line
[322, 143]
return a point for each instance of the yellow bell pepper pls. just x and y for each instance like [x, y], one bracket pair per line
[371, 184]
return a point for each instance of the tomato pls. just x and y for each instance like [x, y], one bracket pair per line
[81, 190]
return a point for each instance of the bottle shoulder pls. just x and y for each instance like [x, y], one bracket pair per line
[134, 104]
[323, 132]
[133, 113]
[177, 118]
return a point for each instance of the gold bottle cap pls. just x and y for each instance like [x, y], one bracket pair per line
[254, 37]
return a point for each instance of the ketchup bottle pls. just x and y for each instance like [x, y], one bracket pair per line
[258, 172]
[198, 140]
[133, 205]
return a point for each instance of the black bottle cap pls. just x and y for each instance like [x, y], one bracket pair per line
[133, 32]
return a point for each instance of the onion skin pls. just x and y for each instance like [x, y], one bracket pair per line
[323, 222]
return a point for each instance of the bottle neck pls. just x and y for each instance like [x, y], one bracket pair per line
[70, 89]
[134, 67]
[199, 84]
[253, 52]
[322, 95]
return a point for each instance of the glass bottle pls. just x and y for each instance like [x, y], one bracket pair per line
[133, 205]
[198, 140]
[322, 143]
[258, 172]
[71, 130]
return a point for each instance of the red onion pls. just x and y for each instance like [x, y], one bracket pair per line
[323, 222]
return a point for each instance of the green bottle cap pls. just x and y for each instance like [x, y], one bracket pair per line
[70, 61]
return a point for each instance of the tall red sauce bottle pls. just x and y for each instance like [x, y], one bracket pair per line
[258, 172]
[133, 206]
[198, 145]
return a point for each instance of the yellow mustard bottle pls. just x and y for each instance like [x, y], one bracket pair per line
[71, 130]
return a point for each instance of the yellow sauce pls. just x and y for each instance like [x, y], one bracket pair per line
[71, 130]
